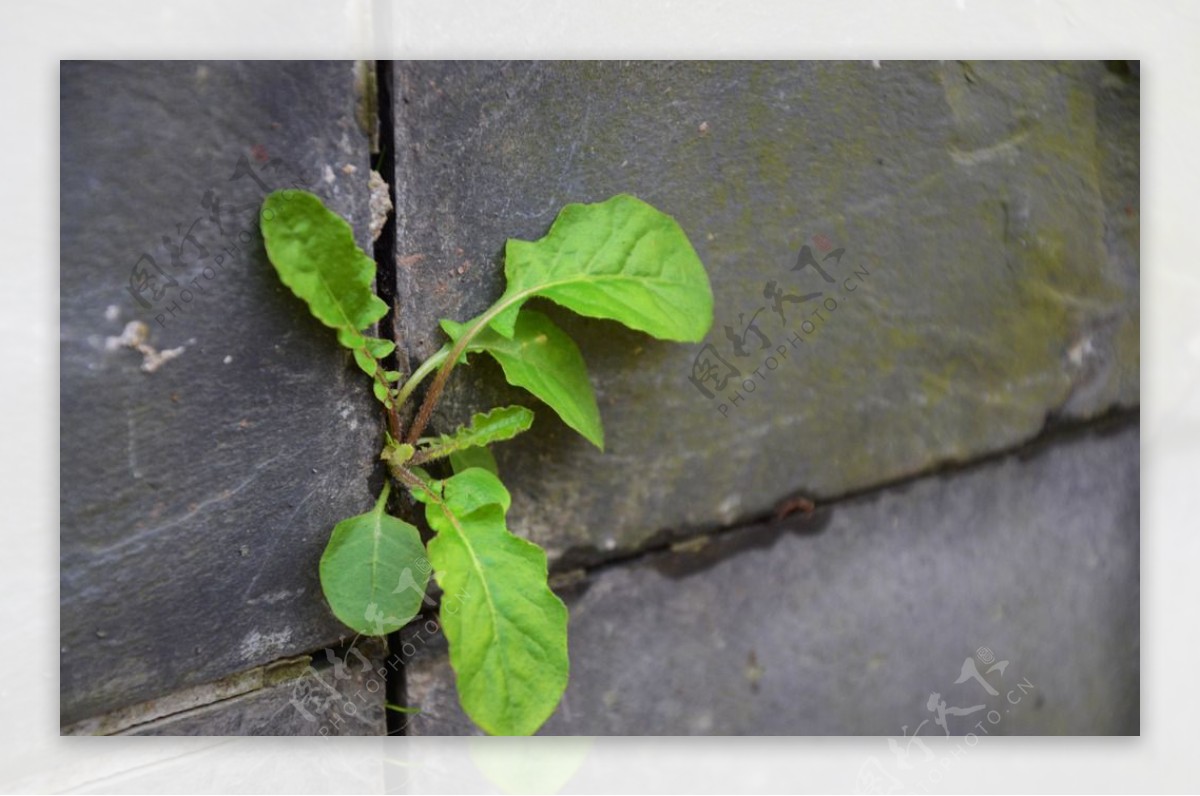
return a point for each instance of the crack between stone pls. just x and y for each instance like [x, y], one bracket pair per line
[1053, 431]
[388, 289]
[240, 684]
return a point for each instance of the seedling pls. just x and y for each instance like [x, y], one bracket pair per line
[621, 260]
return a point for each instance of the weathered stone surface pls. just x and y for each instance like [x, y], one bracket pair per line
[989, 282]
[847, 621]
[196, 498]
[333, 694]
[340, 690]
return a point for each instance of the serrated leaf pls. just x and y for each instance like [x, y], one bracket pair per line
[374, 571]
[379, 347]
[365, 362]
[501, 423]
[543, 359]
[381, 393]
[313, 250]
[507, 630]
[474, 457]
[620, 259]
[367, 351]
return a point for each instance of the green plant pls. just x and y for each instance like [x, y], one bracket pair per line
[620, 259]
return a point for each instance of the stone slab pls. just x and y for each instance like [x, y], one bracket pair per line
[846, 622]
[988, 214]
[200, 475]
[331, 694]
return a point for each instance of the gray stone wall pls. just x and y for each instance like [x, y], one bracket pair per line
[957, 408]
[844, 622]
[201, 474]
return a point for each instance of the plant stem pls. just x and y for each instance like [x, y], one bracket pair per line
[393, 416]
[383, 496]
[380, 377]
[404, 476]
[426, 455]
[418, 376]
[439, 381]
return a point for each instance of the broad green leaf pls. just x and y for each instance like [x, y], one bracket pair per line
[507, 630]
[374, 571]
[499, 424]
[620, 259]
[471, 489]
[543, 359]
[313, 250]
[474, 457]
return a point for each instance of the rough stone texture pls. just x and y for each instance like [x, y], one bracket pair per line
[316, 687]
[989, 216]
[845, 622]
[197, 498]
[330, 695]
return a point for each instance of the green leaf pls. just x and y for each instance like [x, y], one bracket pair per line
[474, 457]
[507, 630]
[620, 259]
[381, 393]
[366, 363]
[313, 250]
[500, 424]
[428, 481]
[374, 571]
[378, 347]
[396, 453]
[473, 488]
[543, 359]
[367, 353]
